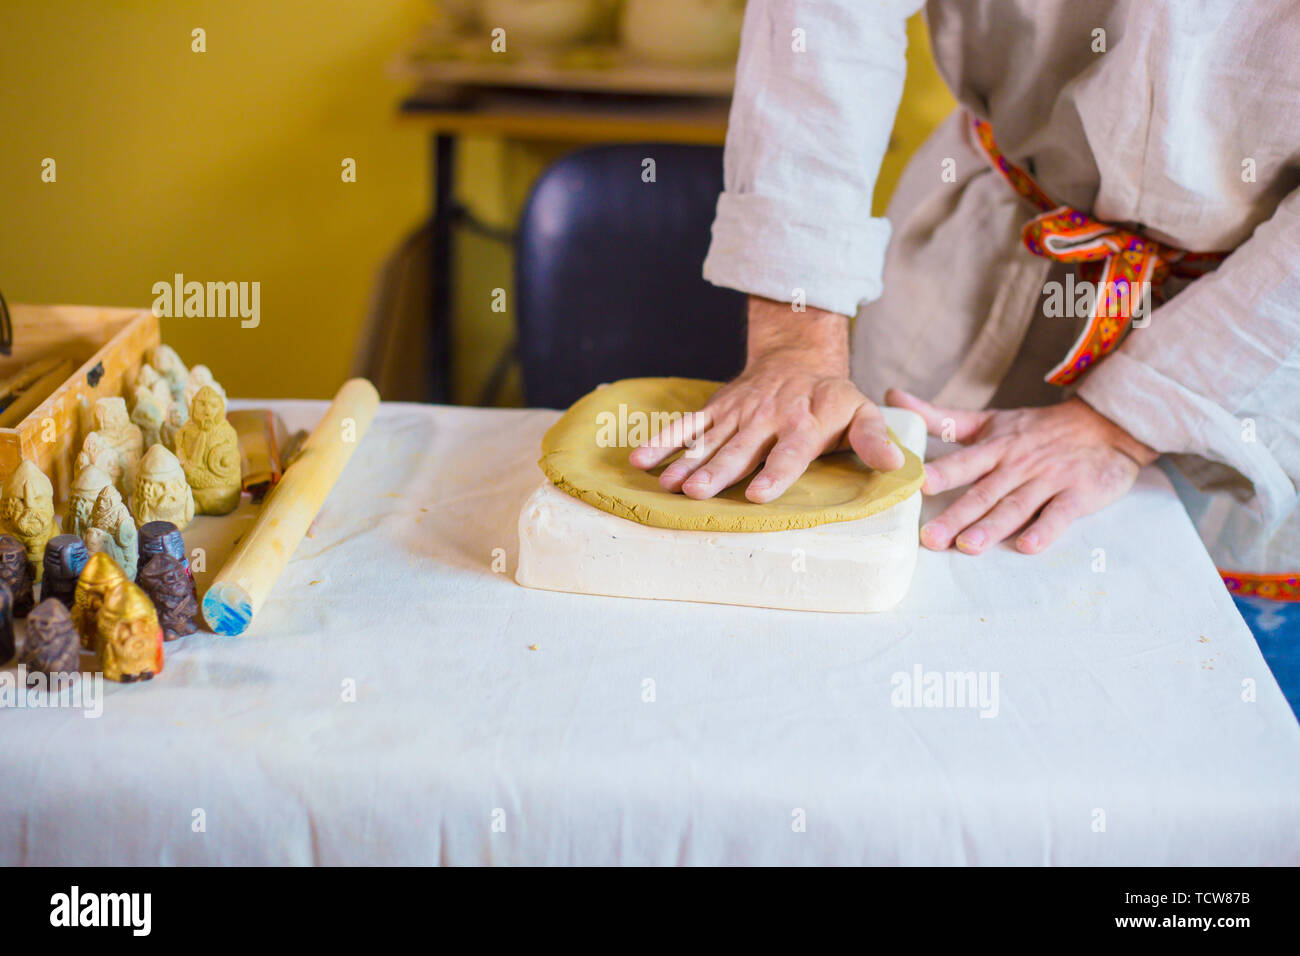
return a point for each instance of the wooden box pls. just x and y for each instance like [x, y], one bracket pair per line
[105, 346]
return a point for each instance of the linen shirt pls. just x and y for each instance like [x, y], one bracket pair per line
[1180, 119]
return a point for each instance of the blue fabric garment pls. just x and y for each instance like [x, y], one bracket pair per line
[1276, 626]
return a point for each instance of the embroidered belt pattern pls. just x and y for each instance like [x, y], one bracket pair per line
[1275, 587]
[1119, 263]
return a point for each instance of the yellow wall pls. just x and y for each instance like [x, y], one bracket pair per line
[223, 165]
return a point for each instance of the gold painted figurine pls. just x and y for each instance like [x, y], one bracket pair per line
[28, 512]
[161, 491]
[130, 639]
[208, 449]
[100, 575]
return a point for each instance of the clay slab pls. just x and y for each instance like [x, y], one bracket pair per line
[850, 566]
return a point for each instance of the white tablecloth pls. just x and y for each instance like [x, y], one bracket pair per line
[662, 732]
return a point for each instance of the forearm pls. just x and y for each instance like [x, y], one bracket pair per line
[804, 147]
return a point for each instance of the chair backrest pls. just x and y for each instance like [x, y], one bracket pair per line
[608, 273]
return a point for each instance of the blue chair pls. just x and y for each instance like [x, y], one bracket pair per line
[607, 273]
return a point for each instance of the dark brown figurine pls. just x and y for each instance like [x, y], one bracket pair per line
[172, 593]
[15, 572]
[51, 645]
[65, 556]
[162, 537]
[6, 624]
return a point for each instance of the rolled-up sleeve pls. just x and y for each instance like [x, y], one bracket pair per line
[818, 84]
[1216, 373]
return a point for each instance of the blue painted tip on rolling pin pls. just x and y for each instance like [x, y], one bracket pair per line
[227, 609]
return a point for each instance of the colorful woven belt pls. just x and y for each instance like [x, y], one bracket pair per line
[1118, 262]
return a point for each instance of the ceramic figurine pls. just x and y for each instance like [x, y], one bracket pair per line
[16, 574]
[209, 452]
[149, 380]
[172, 593]
[168, 364]
[112, 530]
[28, 511]
[114, 428]
[7, 625]
[201, 376]
[90, 481]
[51, 644]
[65, 556]
[130, 641]
[148, 415]
[100, 575]
[176, 417]
[162, 537]
[98, 453]
[161, 491]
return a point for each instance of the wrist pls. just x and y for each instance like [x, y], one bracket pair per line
[812, 339]
[1122, 440]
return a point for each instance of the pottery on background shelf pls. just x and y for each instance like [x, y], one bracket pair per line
[682, 32]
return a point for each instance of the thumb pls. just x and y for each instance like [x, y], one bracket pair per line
[869, 437]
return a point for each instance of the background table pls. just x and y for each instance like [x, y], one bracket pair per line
[659, 732]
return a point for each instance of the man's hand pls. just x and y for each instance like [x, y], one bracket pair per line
[793, 402]
[1066, 460]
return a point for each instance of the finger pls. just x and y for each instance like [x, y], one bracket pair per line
[978, 500]
[870, 439]
[733, 461]
[950, 424]
[700, 451]
[1008, 516]
[960, 467]
[788, 459]
[1051, 524]
[663, 443]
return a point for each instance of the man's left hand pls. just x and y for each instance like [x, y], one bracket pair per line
[1065, 461]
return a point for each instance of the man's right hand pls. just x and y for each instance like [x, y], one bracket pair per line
[793, 402]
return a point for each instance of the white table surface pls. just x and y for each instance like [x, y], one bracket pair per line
[1123, 733]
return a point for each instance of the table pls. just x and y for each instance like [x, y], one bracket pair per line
[400, 699]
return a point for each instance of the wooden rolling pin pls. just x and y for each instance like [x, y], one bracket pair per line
[241, 587]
